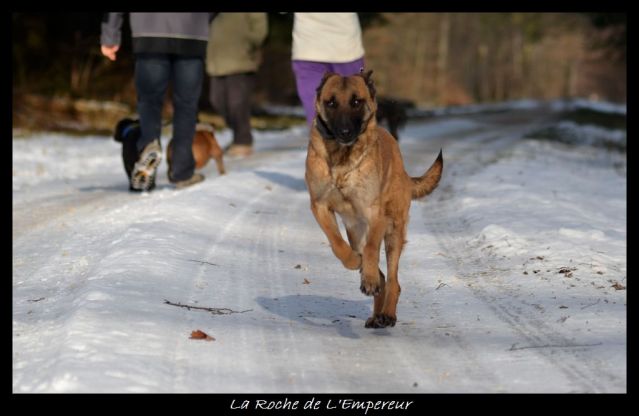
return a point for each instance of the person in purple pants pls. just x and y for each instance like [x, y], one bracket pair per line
[324, 42]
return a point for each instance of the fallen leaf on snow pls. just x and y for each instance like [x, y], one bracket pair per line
[618, 286]
[197, 334]
[307, 282]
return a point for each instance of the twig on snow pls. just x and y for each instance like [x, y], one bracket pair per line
[592, 304]
[214, 311]
[203, 262]
[513, 348]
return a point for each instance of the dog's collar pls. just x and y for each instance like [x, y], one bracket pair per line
[323, 129]
[127, 129]
[365, 125]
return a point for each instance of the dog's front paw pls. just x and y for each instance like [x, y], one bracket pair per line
[380, 321]
[353, 262]
[370, 287]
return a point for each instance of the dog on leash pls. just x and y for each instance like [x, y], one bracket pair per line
[354, 168]
[205, 147]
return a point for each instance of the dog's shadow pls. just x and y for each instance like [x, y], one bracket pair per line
[320, 311]
[291, 182]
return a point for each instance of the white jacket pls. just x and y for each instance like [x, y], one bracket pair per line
[327, 37]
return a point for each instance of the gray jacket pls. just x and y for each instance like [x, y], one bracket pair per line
[178, 33]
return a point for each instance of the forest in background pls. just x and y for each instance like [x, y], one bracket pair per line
[432, 59]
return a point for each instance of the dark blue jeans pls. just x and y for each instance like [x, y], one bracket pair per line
[153, 73]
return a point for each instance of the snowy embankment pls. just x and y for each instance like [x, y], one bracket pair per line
[513, 279]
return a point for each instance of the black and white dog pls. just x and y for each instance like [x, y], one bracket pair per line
[127, 132]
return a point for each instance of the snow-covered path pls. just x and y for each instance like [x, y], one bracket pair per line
[507, 280]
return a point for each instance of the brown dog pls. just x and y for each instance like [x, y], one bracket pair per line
[205, 147]
[354, 168]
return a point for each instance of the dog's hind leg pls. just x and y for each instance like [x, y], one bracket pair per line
[220, 164]
[385, 312]
[394, 244]
[217, 154]
[357, 233]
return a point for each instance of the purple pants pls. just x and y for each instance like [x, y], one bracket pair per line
[308, 75]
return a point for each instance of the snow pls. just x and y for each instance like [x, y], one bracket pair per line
[571, 104]
[508, 278]
[598, 106]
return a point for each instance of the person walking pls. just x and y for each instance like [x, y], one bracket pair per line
[324, 42]
[233, 56]
[169, 48]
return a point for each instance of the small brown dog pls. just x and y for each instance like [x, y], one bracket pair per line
[354, 168]
[205, 147]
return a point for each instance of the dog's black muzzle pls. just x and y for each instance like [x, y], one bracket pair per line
[346, 129]
[344, 132]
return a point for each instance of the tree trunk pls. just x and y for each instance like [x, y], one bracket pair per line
[442, 57]
[420, 58]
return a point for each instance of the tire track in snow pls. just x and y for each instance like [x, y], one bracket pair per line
[256, 271]
[471, 156]
[196, 293]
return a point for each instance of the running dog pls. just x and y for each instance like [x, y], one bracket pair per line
[354, 168]
[205, 147]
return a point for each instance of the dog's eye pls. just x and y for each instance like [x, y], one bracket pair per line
[331, 103]
[356, 102]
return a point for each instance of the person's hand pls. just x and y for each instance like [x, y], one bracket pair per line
[109, 51]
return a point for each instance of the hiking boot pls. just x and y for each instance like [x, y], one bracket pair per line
[239, 150]
[196, 178]
[143, 174]
[148, 188]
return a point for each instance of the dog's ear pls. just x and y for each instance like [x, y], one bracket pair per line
[325, 78]
[369, 81]
[322, 128]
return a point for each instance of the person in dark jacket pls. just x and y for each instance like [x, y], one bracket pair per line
[168, 48]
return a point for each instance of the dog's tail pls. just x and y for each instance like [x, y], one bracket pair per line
[426, 183]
